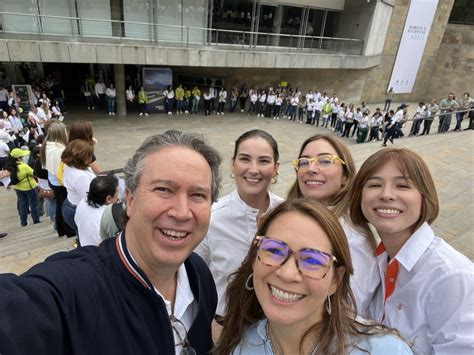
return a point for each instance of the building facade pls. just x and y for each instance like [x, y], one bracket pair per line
[344, 46]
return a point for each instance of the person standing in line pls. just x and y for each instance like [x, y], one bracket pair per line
[187, 100]
[327, 111]
[196, 97]
[376, 122]
[271, 99]
[100, 89]
[278, 103]
[207, 103]
[463, 105]
[470, 104]
[363, 127]
[357, 117]
[243, 94]
[111, 94]
[4, 96]
[418, 118]
[293, 107]
[169, 98]
[179, 96]
[88, 92]
[388, 99]
[222, 100]
[214, 94]
[142, 101]
[253, 102]
[433, 109]
[234, 95]
[447, 106]
[262, 99]
[130, 99]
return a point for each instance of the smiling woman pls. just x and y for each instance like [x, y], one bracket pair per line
[426, 285]
[292, 295]
[325, 172]
[234, 217]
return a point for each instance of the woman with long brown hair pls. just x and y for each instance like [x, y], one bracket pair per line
[292, 295]
[82, 129]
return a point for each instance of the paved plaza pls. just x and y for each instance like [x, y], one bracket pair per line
[450, 157]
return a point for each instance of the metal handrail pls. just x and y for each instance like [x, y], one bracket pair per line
[242, 34]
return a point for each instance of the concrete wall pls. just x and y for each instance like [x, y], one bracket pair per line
[454, 65]
[377, 31]
[68, 52]
[356, 19]
[378, 77]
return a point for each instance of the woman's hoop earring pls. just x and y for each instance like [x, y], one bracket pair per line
[232, 175]
[275, 179]
[247, 283]
[328, 305]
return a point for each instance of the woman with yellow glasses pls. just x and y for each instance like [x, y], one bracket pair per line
[325, 172]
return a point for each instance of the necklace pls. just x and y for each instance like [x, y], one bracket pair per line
[269, 337]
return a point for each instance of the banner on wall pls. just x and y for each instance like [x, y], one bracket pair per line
[155, 81]
[412, 45]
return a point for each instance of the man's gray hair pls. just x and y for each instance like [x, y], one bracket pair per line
[134, 167]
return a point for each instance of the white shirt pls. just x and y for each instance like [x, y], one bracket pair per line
[433, 301]
[185, 306]
[262, 98]
[365, 280]
[110, 92]
[231, 232]
[4, 150]
[77, 182]
[99, 88]
[87, 220]
[222, 96]
[271, 99]
[253, 97]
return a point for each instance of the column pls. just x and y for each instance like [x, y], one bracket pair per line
[277, 25]
[119, 75]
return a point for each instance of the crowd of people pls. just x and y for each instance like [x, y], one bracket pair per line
[313, 108]
[304, 274]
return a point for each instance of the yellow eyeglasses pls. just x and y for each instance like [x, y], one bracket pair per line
[323, 162]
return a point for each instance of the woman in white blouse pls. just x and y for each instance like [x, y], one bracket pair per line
[234, 217]
[111, 94]
[427, 287]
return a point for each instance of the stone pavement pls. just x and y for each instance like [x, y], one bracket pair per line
[450, 157]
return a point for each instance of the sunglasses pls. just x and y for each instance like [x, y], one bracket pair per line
[323, 162]
[312, 263]
[181, 337]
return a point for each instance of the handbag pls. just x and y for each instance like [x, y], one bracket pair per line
[42, 193]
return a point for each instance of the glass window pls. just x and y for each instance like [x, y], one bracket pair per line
[332, 23]
[291, 20]
[462, 12]
[95, 9]
[138, 11]
[315, 22]
[232, 14]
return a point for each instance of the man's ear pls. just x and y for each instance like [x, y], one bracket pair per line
[129, 198]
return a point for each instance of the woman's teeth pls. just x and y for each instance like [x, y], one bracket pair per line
[285, 296]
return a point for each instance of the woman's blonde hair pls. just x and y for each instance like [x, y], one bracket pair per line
[411, 165]
[340, 201]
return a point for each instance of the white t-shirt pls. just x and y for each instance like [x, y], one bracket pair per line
[87, 220]
[77, 183]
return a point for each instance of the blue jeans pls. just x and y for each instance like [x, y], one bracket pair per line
[195, 105]
[459, 118]
[28, 199]
[69, 211]
[169, 105]
[50, 207]
[110, 104]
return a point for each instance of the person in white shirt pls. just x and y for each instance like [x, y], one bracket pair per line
[77, 177]
[234, 217]
[169, 98]
[278, 103]
[103, 191]
[325, 172]
[357, 117]
[130, 99]
[418, 118]
[270, 104]
[222, 100]
[375, 124]
[427, 287]
[253, 102]
[394, 127]
[363, 127]
[262, 99]
[293, 106]
[111, 94]
[99, 89]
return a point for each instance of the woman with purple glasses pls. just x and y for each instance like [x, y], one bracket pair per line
[292, 295]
